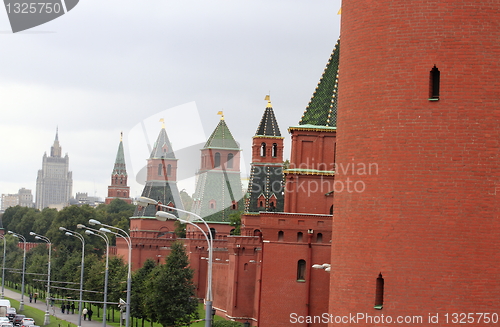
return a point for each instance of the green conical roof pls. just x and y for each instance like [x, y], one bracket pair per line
[221, 138]
[322, 109]
[120, 168]
[163, 148]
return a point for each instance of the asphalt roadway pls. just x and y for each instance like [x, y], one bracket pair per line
[40, 305]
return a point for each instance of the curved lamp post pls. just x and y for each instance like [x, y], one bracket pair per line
[47, 299]
[80, 237]
[129, 273]
[162, 215]
[3, 267]
[90, 231]
[19, 236]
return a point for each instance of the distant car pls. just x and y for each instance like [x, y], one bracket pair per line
[17, 319]
[27, 322]
[6, 324]
[11, 313]
[4, 319]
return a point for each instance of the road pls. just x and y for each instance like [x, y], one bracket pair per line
[72, 318]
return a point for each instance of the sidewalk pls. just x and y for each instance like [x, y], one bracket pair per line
[40, 305]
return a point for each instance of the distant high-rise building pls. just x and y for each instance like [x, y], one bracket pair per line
[118, 187]
[54, 182]
[9, 200]
[25, 198]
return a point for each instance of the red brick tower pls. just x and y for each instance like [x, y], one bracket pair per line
[309, 179]
[118, 187]
[265, 187]
[420, 102]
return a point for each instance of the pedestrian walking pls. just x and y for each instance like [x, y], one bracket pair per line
[31, 297]
[67, 308]
[72, 308]
[63, 306]
[84, 313]
[90, 312]
[35, 296]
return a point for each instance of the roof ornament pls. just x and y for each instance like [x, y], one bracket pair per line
[121, 136]
[268, 99]
[162, 123]
[221, 113]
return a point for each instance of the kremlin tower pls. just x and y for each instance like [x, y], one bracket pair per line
[419, 98]
[118, 188]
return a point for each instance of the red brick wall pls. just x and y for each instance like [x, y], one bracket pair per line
[428, 220]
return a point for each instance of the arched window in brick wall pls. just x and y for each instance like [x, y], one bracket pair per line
[319, 238]
[275, 150]
[281, 235]
[301, 270]
[169, 170]
[230, 157]
[160, 168]
[217, 160]
[300, 236]
[435, 76]
[263, 149]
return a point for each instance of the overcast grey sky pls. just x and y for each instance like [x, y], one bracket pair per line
[117, 65]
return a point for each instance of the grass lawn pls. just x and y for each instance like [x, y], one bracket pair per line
[39, 317]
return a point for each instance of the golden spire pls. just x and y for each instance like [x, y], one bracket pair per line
[162, 123]
[221, 113]
[268, 99]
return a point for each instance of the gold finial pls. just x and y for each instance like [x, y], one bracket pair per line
[340, 11]
[162, 123]
[221, 113]
[268, 99]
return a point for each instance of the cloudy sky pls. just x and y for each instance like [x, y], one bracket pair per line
[121, 65]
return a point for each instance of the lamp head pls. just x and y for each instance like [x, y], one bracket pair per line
[10, 232]
[32, 234]
[62, 229]
[164, 216]
[94, 222]
[38, 237]
[89, 232]
[80, 226]
[105, 230]
[68, 234]
[144, 201]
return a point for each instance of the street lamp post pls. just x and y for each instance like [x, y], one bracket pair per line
[3, 266]
[21, 303]
[162, 215]
[128, 240]
[90, 231]
[47, 299]
[80, 237]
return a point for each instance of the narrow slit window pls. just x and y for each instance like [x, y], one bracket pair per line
[301, 270]
[281, 235]
[434, 82]
[379, 293]
[263, 150]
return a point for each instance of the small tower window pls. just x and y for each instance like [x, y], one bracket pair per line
[217, 160]
[434, 84]
[281, 235]
[379, 293]
[301, 271]
[169, 170]
[300, 235]
[319, 238]
[263, 150]
[234, 205]
[230, 160]
[160, 168]
[331, 210]
[211, 204]
[275, 150]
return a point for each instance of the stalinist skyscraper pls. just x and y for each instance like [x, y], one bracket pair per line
[54, 182]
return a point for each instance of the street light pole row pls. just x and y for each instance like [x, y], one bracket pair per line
[162, 215]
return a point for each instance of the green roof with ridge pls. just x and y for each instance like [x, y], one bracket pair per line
[221, 138]
[322, 109]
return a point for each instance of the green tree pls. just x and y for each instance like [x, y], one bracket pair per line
[235, 221]
[170, 298]
[137, 298]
